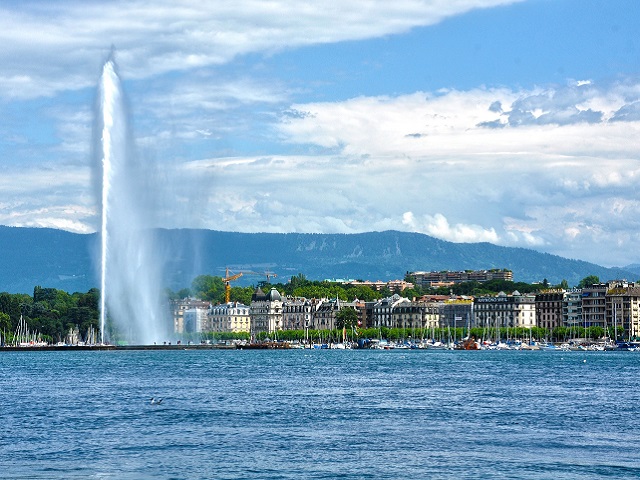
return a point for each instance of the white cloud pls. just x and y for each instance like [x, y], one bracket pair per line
[48, 47]
[547, 184]
[438, 226]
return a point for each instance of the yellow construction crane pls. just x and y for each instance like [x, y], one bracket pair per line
[227, 287]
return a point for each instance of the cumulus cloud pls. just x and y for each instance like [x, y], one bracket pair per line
[451, 123]
[438, 226]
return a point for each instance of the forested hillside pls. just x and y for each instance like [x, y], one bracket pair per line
[63, 260]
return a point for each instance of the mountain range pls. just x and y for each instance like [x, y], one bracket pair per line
[66, 261]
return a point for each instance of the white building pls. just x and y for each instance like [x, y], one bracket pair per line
[515, 310]
[266, 311]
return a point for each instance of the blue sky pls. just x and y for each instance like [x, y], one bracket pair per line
[513, 122]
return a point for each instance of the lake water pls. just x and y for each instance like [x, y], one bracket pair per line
[319, 414]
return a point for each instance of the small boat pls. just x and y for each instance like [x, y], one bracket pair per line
[468, 344]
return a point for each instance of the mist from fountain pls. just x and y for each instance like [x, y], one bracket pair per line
[130, 265]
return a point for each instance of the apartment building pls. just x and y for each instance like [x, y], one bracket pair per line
[229, 317]
[297, 313]
[446, 277]
[594, 305]
[409, 315]
[623, 308]
[266, 311]
[549, 308]
[572, 308]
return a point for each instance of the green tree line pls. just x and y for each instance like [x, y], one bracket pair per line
[50, 313]
[211, 288]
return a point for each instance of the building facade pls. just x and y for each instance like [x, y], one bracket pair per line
[410, 315]
[623, 310]
[266, 311]
[502, 310]
[457, 313]
[297, 313]
[446, 277]
[572, 308]
[383, 310]
[229, 317]
[594, 305]
[549, 308]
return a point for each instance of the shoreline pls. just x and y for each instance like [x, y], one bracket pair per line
[58, 348]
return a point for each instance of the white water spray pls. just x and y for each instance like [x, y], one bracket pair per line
[130, 270]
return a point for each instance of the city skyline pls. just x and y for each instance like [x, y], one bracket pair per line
[514, 122]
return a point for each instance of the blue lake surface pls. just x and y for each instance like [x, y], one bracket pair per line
[319, 414]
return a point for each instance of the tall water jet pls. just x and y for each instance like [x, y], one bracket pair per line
[130, 267]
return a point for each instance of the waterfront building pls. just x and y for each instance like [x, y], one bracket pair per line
[324, 317]
[623, 309]
[297, 313]
[594, 305]
[502, 310]
[411, 315]
[229, 317]
[179, 307]
[266, 311]
[366, 314]
[572, 308]
[383, 310]
[549, 308]
[456, 312]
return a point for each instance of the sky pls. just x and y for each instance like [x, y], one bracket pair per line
[514, 122]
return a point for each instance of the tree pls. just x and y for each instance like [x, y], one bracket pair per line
[241, 294]
[588, 281]
[183, 293]
[207, 287]
[347, 318]
[298, 281]
[5, 323]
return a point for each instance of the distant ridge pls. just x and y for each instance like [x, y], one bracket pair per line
[64, 260]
